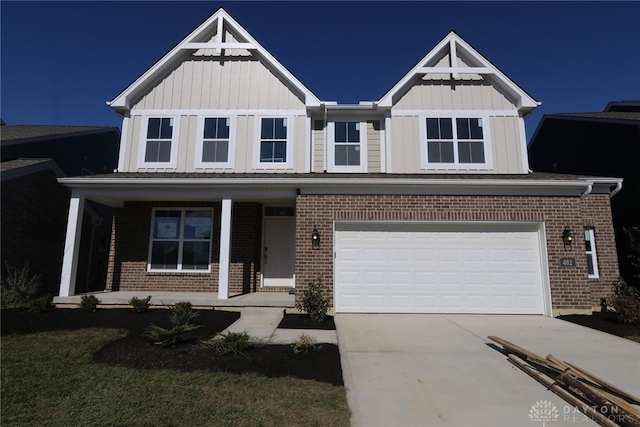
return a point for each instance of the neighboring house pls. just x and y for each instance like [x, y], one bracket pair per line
[231, 170]
[601, 143]
[35, 206]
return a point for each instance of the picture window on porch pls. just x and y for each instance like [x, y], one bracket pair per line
[159, 138]
[180, 240]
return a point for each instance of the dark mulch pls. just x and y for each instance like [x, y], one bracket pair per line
[136, 352]
[604, 322]
[303, 321]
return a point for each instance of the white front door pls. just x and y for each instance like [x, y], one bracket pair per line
[279, 254]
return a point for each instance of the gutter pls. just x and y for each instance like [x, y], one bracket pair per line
[617, 189]
[587, 191]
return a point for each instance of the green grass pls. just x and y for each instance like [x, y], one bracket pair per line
[49, 379]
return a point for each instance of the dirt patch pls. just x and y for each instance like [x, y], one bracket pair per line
[303, 321]
[134, 351]
[604, 322]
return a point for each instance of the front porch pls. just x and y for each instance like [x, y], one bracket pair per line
[197, 299]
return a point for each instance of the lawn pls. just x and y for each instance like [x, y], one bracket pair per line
[53, 378]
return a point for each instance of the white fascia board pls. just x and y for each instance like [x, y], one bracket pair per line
[182, 49]
[524, 100]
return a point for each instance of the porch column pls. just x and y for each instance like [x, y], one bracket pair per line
[225, 249]
[72, 245]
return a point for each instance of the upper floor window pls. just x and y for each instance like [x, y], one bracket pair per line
[158, 149]
[590, 250]
[454, 142]
[275, 145]
[180, 240]
[348, 151]
[215, 145]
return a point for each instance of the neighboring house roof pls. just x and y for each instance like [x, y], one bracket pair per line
[457, 46]
[21, 167]
[16, 134]
[199, 39]
[630, 105]
[611, 116]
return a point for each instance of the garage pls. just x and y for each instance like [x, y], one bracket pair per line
[439, 268]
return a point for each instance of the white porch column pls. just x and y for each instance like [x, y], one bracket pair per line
[225, 249]
[72, 245]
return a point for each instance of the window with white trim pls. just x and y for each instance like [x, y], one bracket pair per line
[159, 139]
[590, 250]
[348, 146]
[180, 240]
[215, 145]
[456, 141]
[273, 140]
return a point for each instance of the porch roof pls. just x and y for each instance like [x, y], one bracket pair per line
[114, 189]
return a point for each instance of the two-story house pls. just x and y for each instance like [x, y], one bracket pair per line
[233, 177]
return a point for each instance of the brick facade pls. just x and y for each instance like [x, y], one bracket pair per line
[570, 287]
[129, 251]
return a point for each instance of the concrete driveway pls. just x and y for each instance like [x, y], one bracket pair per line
[430, 370]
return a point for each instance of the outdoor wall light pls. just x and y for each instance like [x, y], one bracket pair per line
[567, 238]
[315, 238]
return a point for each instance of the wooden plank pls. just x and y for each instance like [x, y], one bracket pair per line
[529, 355]
[556, 389]
[588, 375]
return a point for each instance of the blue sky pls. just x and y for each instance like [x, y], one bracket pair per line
[62, 60]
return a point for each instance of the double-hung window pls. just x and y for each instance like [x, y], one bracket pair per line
[180, 240]
[348, 151]
[590, 250]
[456, 142]
[215, 148]
[273, 140]
[158, 148]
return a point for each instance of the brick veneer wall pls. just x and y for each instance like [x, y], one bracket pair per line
[130, 247]
[570, 287]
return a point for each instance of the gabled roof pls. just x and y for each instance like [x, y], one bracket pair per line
[197, 40]
[21, 167]
[457, 46]
[624, 117]
[15, 134]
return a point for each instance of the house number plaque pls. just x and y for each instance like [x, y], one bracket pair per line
[567, 262]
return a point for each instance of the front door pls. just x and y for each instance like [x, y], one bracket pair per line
[279, 255]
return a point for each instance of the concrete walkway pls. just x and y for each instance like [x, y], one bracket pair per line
[427, 370]
[263, 323]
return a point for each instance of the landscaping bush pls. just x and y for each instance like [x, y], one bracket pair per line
[305, 344]
[182, 313]
[89, 302]
[38, 305]
[314, 301]
[233, 342]
[19, 287]
[625, 302]
[140, 305]
[168, 337]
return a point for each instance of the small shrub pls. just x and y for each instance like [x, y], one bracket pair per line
[89, 302]
[140, 305]
[625, 302]
[233, 342]
[305, 344]
[168, 337]
[314, 301]
[182, 313]
[19, 287]
[38, 305]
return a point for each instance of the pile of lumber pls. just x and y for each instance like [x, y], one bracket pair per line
[601, 401]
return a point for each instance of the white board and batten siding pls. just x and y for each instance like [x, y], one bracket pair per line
[375, 137]
[440, 268]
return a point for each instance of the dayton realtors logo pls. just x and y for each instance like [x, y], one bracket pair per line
[543, 411]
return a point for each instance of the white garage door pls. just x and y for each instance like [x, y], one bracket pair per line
[438, 268]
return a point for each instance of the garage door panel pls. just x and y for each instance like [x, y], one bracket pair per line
[438, 268]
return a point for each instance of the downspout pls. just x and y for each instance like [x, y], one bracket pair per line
[616, 190]
[587, 191]
[325, 139]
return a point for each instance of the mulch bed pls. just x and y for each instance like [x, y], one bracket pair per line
[303, 321]
[134, 351]
[604, 322]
